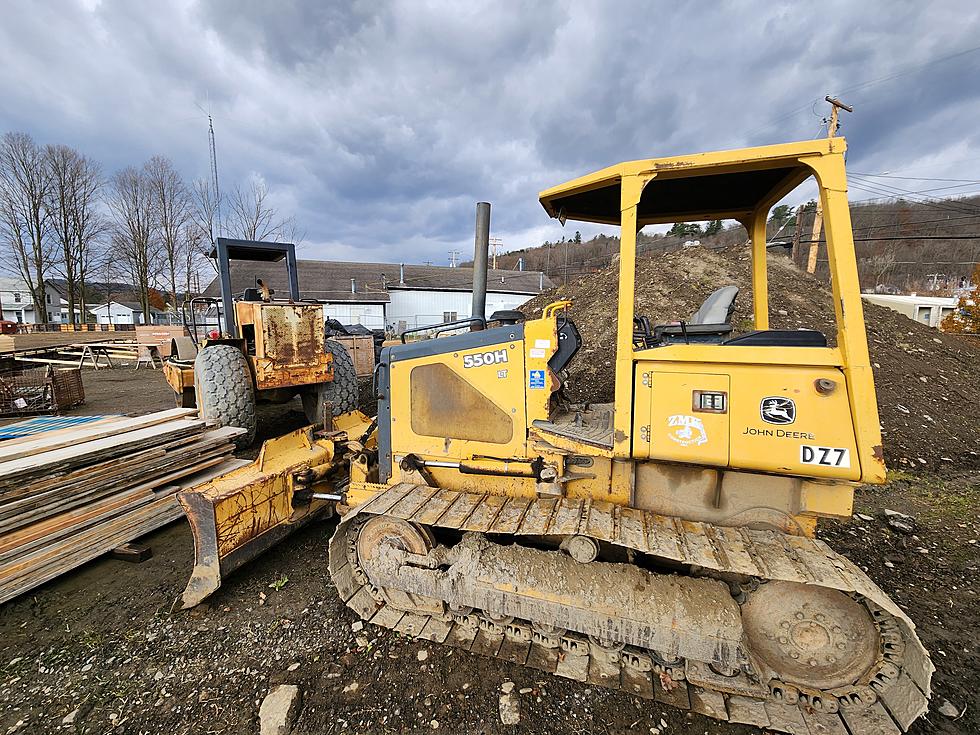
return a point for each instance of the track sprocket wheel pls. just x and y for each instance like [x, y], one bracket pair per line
[810, 636]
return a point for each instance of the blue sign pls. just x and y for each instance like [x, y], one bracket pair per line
[535, 379]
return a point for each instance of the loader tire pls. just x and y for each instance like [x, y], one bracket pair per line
[224, 391]
[340, 394]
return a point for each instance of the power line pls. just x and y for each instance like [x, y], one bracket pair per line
[892, 193]
[910, 178]
[908, 70]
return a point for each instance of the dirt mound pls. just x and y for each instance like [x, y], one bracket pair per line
[927, 381]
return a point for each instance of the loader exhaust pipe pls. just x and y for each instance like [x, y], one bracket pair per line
[481, 249]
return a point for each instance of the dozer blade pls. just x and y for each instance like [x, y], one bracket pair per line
[239, 515]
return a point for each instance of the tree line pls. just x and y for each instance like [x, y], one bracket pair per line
[62, 217]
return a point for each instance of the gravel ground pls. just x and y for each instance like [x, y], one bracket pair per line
[104, 649]
[107, 648]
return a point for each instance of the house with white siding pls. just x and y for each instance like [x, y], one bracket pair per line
[16, 304]
[125, 312]
[390, 296]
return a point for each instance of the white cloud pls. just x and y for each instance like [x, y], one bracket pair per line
[379, 125]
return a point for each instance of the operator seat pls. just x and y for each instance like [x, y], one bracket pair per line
[710, 324]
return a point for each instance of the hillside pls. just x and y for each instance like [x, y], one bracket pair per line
[905, 245]
[926, 380]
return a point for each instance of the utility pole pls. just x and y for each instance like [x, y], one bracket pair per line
[495, 242]
[453, 255]
[835, 106]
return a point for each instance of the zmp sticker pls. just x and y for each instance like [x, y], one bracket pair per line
[535, 379]
[686, 430]
[825, 456]
[485, 358]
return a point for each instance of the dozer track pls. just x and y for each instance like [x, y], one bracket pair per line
[718, 627]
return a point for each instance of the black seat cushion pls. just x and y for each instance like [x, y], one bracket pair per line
[780, 338]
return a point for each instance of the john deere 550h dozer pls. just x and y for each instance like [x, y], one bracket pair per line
[662, 544]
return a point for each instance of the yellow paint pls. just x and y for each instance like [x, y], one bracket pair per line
[736, 451]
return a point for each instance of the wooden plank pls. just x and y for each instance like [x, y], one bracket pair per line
[16, 448]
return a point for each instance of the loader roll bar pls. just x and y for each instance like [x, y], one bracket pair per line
[742, 185]
[226, 249]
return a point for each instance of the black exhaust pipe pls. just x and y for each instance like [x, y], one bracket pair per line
[481, 249]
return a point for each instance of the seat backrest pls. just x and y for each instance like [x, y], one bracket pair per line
[717, 308]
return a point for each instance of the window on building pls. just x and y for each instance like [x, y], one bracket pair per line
[17, 297]
[49, 298]
[50, 318]
[449, 316]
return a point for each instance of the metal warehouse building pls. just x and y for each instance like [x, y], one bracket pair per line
[390, 296]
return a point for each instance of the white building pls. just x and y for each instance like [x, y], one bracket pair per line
[16, 304]
[389, 296]
[929, 310]
[125, 312]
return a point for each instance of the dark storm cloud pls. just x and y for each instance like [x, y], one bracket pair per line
[378, 125]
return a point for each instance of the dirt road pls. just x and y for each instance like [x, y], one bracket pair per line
[104, 649]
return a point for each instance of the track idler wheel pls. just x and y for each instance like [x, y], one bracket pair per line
[382, 533]
[814, 637]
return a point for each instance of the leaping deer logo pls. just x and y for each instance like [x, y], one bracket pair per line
[778, 410]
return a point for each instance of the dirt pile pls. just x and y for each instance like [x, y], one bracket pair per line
[928, 383]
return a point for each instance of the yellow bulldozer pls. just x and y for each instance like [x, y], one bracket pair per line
[663, 544]
[263, 349]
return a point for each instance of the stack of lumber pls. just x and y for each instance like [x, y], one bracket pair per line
[49, 340]
[69, 496]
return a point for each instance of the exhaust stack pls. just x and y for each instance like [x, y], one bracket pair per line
[481, 248]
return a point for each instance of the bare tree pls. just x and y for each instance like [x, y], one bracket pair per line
[173, 205]
[252, 217]
[207, 210]
[23, 215]
[74, 184]
[91, 224]
[131, 201]
[879, 265]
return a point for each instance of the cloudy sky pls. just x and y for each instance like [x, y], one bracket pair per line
[379, 125]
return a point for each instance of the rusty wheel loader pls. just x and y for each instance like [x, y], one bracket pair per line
[268, 350]
[663, 544]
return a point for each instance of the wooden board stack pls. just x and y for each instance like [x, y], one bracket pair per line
[69, 496]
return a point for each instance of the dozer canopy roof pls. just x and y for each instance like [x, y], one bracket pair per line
[720, 185]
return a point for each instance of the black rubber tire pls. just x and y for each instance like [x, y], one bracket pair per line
[340, 394]
[224, 391]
